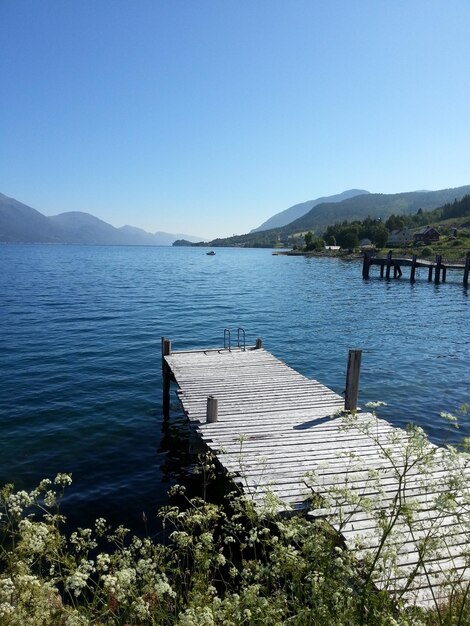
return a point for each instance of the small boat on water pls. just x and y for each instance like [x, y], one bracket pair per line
[211, 253]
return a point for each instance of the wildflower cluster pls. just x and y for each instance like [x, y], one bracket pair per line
[238, 564]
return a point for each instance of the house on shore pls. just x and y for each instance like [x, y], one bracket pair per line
[426, 235]
[398, 237]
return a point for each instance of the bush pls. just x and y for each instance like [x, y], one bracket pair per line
[427, 251]
[239, 564]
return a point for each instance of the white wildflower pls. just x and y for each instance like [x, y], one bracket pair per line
[34, 536]
[119, 584]
[50, 499]
[6, 609]
[103, 562]
[101, 526]
[64, 480]
[450, 418]
[78, 580]
[200, 616]
[162, 586]
[141, 609]
[75, 619]
[17, 502]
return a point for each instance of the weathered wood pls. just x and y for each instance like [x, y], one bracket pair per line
[437, 269]
[166, 373]
[413, 268]
[259, 343]
[276, 427]
[352, 380]
[366, 265]
[212, 410]
[466, 270]
[389, 264]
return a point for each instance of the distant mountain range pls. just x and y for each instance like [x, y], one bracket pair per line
[358, 207]
[298, 210]
[20, 223]
[373, 205]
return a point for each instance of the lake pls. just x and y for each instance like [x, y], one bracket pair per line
[80, 355]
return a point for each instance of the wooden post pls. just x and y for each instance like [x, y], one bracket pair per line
[430, 273]
[212, 410]
[166, 350]
[389, 265]
[352, 380]
[413, 268]
[466, 270]
[396, 270]
[444, 273]
[259, 343]
[366, 265]
[437, 271]
[381, 270]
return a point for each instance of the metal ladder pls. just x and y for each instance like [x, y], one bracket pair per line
[241, 337]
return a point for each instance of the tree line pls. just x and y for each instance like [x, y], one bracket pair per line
[349, 234]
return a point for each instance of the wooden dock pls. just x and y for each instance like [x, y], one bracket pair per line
[272, 428]
[436, 270]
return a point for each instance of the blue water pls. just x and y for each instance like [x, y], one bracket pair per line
[80, 332]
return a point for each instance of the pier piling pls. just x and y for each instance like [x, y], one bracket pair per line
[413, 268]
[212, 411]
[389, 265]
[352, 380]
[166, 350]
[436, 269]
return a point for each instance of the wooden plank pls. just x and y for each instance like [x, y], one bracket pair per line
[275, 427]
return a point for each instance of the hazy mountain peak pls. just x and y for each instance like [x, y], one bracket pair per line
[22, 224]
[298, 210]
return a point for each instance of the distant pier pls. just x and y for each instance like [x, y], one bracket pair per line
[436, 270]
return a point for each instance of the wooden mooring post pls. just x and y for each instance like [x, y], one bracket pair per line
[212, 411]
[166, 373]
[413, 268]
[352, 380]
[437, 269]
[366, 265]
[466, 270]
[389, 264]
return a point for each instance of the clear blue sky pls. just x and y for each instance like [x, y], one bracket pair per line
[209, 116]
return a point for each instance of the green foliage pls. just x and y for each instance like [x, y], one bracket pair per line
[427, 251]
[241, 564]
[456, 209]
[348, 234]
[308, 240]
[313, 243]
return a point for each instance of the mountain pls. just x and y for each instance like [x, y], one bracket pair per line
[20, 223]
[356, 208]
[298, 210]
[373, 205]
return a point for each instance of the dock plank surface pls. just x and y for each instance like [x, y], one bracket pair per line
[280, 433]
